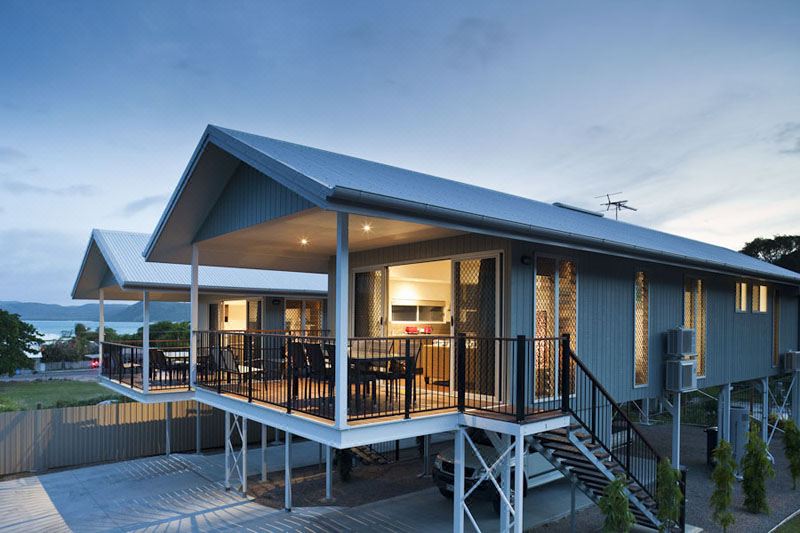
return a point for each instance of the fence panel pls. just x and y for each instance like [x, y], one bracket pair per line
[34, 441]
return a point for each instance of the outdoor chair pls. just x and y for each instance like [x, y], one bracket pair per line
[396, 371]
[172, 369]
[298, 365]
[320, 374]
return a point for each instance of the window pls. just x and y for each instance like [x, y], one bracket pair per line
[741, 297]
[759, 298]
[641, 337]
[776, 330]
[694, 316]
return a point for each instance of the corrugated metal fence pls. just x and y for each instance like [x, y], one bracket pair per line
[34, 441]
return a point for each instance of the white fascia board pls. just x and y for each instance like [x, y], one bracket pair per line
[150, 398]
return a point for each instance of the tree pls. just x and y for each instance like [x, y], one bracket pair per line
[615, 506]
[17, 340]
[781, 250]
[756, 468]
[723, 476]
[791, 447]
[668, 495]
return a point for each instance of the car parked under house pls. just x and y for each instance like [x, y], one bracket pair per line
[455, 307]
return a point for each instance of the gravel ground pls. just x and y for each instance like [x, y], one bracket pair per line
[368, 483]
[783, 501]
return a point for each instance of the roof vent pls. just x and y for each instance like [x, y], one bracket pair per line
[578, 209]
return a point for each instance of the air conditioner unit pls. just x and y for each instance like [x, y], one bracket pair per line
[681, 375]
[791, 361]
[681, 342]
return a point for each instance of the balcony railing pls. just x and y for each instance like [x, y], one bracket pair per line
[387, 376]
[168, 362]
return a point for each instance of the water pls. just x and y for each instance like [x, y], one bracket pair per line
[52, 329]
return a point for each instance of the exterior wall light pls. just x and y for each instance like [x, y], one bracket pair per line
[526, 260]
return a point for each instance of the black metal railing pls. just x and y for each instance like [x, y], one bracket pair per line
[590, 404]
[122, 363]
[168, 363]
[386, 376]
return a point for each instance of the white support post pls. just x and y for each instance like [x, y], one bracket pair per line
[168, 436]
[198, 429]
[227, 450]
[244, 456]
[195, 314]
[765, 410]
[505, 479]
[263, 452]
[724, 405]
[342, 313]
[795, 397]
[458, 482]
[287, 472]
[519, 480]
[146, 342]
[676, 431]
[328, 474]
[101, 326]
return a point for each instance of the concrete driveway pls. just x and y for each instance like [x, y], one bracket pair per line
[184, 492]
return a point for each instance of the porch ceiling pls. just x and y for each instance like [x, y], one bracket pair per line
[278, 244]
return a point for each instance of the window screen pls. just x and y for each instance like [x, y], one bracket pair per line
[641, 329]
[694, 316]
[741, 297]
[759, 298]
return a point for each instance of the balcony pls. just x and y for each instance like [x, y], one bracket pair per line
[387, 377]
[169, 371]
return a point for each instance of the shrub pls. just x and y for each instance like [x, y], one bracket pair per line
[791, 447]
[756, 468]
[614, 505]
[61, 351]
[17, 340]
[668, 495]
[723, 477]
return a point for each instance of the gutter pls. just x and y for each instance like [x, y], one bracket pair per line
[349, 196]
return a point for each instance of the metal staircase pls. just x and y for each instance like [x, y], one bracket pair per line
[601, 443]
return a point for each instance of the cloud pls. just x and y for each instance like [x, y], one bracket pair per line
[476, 41]
[788, 138]
[141, 204]
[11, 155]
[23, 187]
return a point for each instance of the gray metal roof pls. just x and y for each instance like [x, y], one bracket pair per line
[334, 180]
[120, 252]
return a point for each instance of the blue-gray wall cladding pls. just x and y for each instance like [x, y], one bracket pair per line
[249, 198]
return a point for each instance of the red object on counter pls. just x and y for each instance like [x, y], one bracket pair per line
[412, 330]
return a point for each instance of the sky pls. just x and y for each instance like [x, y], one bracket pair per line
[691, 109]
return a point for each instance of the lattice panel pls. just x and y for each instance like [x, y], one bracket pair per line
[641, 328]
[368, 304]
[545, 301]
[776, 330]
[313, 315]
[694, 316]
[253, 315]
[292, 317]
[475, 304]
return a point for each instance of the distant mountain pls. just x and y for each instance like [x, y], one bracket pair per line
[173, 311]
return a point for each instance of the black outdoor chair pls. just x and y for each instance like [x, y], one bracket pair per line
[320, 374]
[298, 364]
[396, 371]
[172, 369]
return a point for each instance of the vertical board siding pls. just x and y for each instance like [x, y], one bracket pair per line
[249, 198]
[34, 441]
[273, 314]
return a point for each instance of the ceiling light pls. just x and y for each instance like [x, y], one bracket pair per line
[303, 242]
[366, 227]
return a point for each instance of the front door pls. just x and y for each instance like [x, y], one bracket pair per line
[475, 314]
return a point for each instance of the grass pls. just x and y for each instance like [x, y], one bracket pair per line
[792, 526]
[24, 395]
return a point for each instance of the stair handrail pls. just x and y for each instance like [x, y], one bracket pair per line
[569, 354]
[574, 357]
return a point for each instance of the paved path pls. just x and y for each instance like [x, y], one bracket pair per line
[185, 492]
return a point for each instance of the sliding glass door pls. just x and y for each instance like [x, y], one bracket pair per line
[368, 306]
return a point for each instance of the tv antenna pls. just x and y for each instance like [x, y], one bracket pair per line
[617, 205]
